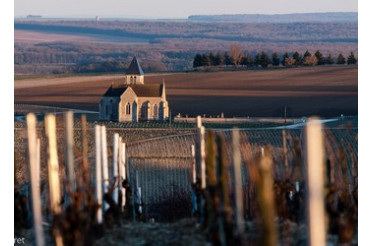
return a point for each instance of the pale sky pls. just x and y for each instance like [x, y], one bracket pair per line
[175, 8]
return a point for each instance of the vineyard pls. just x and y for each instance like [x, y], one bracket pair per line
[226, 184]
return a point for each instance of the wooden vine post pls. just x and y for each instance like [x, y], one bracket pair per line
[122, 172]
[34, 167]
[238, 184]
[285, 153]
[69, 153]
[193, 164]
[200, 167]
[53, 174]
[297, 173]
[38, 156]
[98, 172]
[201, 151]
[213, 210]
[115, 167]
[137, 200]
[225, 212]
[119, 179]
[315, 182]
[202, 163]
[194, 205]
[85, 168]
[105, 172]
[266, 200]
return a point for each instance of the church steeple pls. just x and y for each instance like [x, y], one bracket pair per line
[134, 73]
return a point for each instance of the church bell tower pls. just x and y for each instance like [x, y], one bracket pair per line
[134, 74]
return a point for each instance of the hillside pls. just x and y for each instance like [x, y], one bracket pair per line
[82, 46]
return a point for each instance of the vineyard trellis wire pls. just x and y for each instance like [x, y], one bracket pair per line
[164, 164]
[160, 168]
[166, 161]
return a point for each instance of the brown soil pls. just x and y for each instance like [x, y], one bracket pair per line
[183, 232]
[324, 90]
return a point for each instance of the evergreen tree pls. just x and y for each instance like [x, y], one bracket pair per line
[206, 61]
[244, 61]
[330, 59]
[257, 60]
[211, 58]
[217, 60]
[250, 60]
[319, 56]
[351, 59]
[247, 60]
[198, 61]
[306, 55]
[297, 58]
[276, 59]
[227, 59]
[341, 59]
[265, 59]
[286, 55]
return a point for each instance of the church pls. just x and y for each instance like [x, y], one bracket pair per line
[133, 100]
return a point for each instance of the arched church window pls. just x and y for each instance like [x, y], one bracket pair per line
[135, 79]
[156, 112]
[127, 108]
[131, 79]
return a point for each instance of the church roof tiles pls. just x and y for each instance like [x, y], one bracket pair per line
[154, 90]
[134, 68]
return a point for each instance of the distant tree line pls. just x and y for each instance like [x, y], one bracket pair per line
[237, 57]
[58, 57]
[151, 31]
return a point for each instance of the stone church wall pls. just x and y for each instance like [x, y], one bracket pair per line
[128, 97]
[150, 108]
[108, 108]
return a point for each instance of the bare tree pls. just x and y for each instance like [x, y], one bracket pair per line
[236, 54]
[289, 61]
[310, 60]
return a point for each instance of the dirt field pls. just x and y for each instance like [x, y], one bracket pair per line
[326, 91]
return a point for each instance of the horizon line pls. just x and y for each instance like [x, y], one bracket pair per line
[85, 16]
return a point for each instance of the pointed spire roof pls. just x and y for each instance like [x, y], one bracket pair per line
[134, 68]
